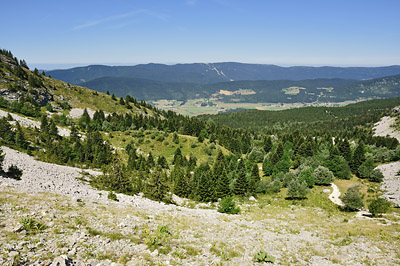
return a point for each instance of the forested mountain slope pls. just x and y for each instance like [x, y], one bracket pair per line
[219, 72]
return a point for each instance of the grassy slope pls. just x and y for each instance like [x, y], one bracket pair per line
[150, 143]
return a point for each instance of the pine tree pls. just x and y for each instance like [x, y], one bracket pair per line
[20, 140]
[53, 130]
[254, 178]
[179, 179]
[220, 177]
[344, 149]
[44, 126]
[84, 120]
[358, 157]
[178, 158]
[241, 184]
[277, 154]
[268, 167]
[267, 144]
[156, 186]
[205, 190]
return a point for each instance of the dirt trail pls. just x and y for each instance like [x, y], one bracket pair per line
[334, 196]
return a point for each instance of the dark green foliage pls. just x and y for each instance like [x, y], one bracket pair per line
[339, 167]
[254, 178]
[175, 138]
[227, 205]
[20, 140]
[220, 177]
[84, 120]
[323, 176]
[267, 143]
[256, 155]
[1, 160]
[376, 176]
[241, 185]
[181, 184]
[344, 149]
[205, 190]
[156, 187]
[287, 179]
[306, 175]
[115, 178]
[112, 196]
[262, 256]
[277, 155]
[283, 165]
[14, 172]
[268, 167]
[49, 107]
[297, 189]
[358, 157]
[353, 199]
[379, 206]
[365, 169]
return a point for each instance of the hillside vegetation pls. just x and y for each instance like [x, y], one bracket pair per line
[220, 72]
[272, 173]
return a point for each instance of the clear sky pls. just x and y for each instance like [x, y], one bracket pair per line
[56, 33]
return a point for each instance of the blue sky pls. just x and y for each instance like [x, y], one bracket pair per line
[51, 34]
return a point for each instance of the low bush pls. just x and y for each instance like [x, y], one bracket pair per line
[227, 205]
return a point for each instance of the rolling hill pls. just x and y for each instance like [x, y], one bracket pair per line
[219, 72]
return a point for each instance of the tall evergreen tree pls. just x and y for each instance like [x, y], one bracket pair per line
[254, 178]
[205, 190]
[358, 157]
[277, 155]
[20, 139]
[241, 185]
[267, 143]
[179, 179]
[220, 177]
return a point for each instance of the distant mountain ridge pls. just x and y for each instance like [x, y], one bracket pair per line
[206, 73]
[252, 91]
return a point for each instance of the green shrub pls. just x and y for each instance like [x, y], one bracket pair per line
[31, 224]
[262, 256]
[14, 172]
[112, 196]
[353, 199]
[227, 205]
[376, 176]
[323, 176]
[379, 206]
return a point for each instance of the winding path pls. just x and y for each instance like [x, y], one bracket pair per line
[334, 196]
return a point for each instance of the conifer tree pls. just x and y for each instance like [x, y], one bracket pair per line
[344, 149]
[358, 157]
[156, 186]
[205, 190]
[53, 130]
[268, 167]
[44, 126]
[267, 144]
[220, 177]
[178, 158]
[254, 178]
[179, 179]
[277, 154]
[84, 120]
[20, 140]
[241, 184]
